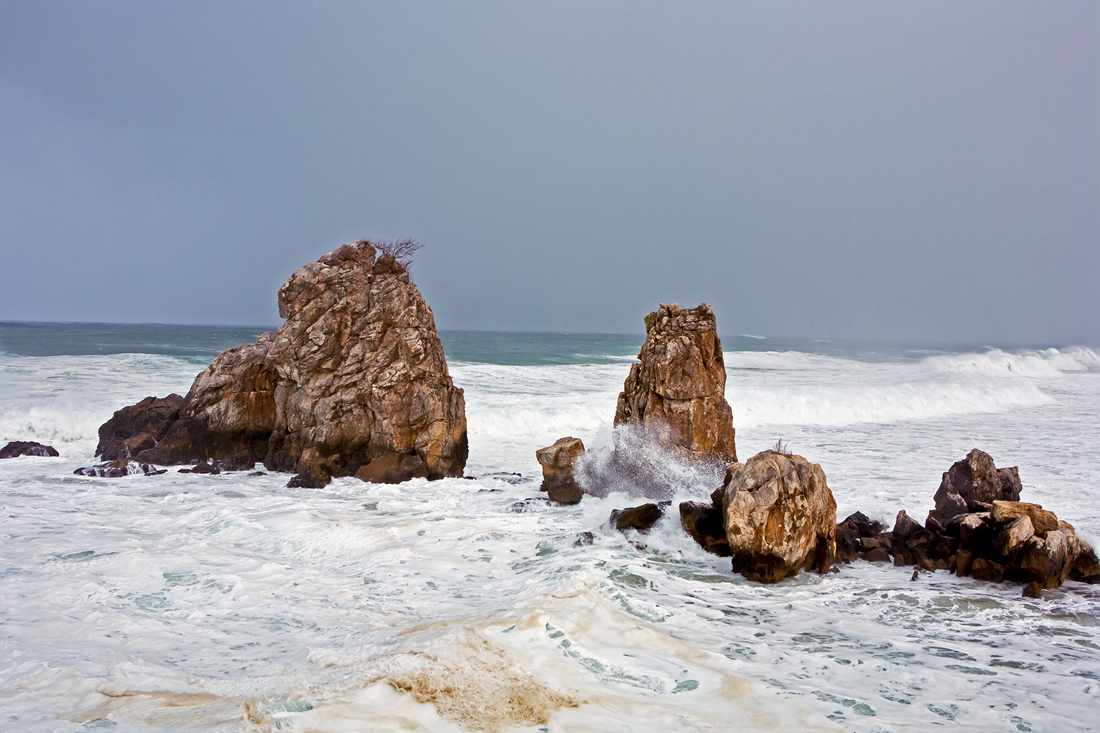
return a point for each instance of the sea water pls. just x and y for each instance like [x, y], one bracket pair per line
[232, 603]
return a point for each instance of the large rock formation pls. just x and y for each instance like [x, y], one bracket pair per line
[355, 378]
[779, 515]
[676, 393]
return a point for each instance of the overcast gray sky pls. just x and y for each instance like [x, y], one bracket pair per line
[882, 169]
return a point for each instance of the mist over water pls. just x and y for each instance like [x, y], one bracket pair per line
[230, 602]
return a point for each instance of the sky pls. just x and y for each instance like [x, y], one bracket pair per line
[885, 170]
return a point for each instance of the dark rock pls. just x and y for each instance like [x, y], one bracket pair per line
[676, 393]
[704, 523]
[18, 448]
[983, 569]
[209, 468]
[850, 535]
[878, 554]
[313, 478]
[120, 467]
[257, 473]
[912, 544]
[529, 504]
[972, 485]
[393, 468]
[584, 538]
[780, 517]
[138, 427]
[640, 518]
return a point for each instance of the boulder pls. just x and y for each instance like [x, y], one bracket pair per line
[779, 516]
[138, 427]
[912, 544]
[18, 448]
[640, 518]
[118, 468]
[972, 485]
[675, 394]
[355, 373]
[557, 461]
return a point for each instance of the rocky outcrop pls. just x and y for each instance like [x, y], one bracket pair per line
[354, 378]
[974, 531]
[972, 485]
[138, 427]
[558, 461]
[676, 391]
[18, 448]
[118, 468]
[779, 516]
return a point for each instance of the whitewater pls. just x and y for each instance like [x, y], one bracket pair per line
[232, 603]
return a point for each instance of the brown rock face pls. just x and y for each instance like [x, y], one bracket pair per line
[972, 485]
[355, 374]
[780, 517]
[137, 427]
[677, 391]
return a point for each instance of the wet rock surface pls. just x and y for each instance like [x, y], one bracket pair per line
[676, 391]
[355, 373]
[17, 448]
[704, 523]
[972, 485]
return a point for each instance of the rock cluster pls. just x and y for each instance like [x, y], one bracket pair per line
[353, 383]
[558, 462]
[676, 391]
[118, 468]
[974, 531]
[774, 515]
[18, 448]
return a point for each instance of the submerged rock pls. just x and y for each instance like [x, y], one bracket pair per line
[779, 516]
[18, 448]
[557, 461]
[676, 391]
[118, 468]
[355, 373]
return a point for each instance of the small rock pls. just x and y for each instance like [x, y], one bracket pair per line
[119, 468]
[393, 468]
[18, 448]
[314, 478]
[640, 518]
[257, 473]
[584, 538]
[704, 523]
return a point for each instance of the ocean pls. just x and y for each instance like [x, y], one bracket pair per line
[229, 602]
